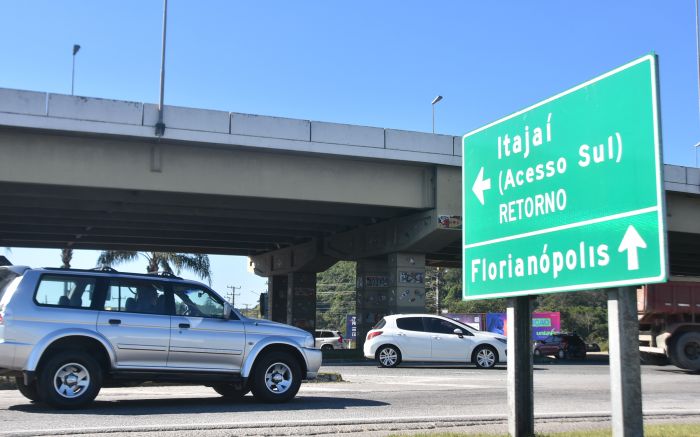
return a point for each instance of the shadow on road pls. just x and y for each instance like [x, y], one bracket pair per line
[144, 407]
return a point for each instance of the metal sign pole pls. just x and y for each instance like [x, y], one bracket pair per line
[625, 384]
[521, 417]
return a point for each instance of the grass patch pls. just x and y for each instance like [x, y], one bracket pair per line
[666, 430]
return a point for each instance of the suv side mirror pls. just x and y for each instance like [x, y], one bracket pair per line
[458, 332]
[227, 310]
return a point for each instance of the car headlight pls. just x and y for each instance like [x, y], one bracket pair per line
[309, 341]
[502, 340]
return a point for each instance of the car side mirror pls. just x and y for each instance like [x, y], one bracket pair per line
[227, 311]
[458, 332]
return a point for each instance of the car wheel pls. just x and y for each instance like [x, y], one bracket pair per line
[231, 391]
[561, 354]
[28, 391]
[326, 347]
[485, 357]
[69, 379]
[276, 377]
[388, 356]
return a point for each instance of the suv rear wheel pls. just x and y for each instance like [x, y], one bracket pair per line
[69, 379]
[231, 391]
[276, 377]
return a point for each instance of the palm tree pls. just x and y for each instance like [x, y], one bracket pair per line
[66, 257]
[166, 261]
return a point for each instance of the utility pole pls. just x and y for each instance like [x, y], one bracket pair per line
[232, 295]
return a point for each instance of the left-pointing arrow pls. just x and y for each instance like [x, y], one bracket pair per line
[631, 242]
[481, 185]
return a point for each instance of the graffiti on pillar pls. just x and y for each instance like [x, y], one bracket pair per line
[412, 296]
[376, 281]
[450, 221]
[411, 277]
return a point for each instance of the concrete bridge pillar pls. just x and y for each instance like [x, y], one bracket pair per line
[388, 285]
[293, 299]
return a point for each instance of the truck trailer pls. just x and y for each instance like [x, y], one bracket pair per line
[669, 322]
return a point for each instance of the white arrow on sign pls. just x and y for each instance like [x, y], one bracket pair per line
[631, 242]
[481, 185]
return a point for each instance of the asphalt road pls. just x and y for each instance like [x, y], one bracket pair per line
[371, 401]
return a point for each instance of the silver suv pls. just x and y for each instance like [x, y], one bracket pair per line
[64, 334]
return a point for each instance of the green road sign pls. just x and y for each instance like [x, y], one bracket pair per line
[568, 194]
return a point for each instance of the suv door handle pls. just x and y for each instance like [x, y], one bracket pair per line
[115, 322]
[184, 325]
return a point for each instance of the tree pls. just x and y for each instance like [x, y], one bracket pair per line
[66, 257]
[335, 295]
[196, 263]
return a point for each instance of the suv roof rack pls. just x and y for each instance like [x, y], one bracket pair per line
[106, 269]
[166, 274]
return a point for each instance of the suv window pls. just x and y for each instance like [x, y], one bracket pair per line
[440, 326]
[410, 323]
[65, 291]
[134, 296]
[194, 301]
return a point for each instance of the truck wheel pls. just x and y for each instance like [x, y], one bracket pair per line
[28, 391]
[231, 391]
[69, 379]
[653, 359]
[276, 377]
[686, 351]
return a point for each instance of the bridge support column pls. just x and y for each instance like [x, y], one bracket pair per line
[388, 285]
[293, 299]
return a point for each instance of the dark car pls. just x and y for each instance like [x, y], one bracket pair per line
[561, 346]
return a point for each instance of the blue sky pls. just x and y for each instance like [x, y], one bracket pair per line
[361, 62]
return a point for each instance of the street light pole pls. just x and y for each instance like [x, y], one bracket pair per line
[435, 100]
[160, 125]
[76, 49]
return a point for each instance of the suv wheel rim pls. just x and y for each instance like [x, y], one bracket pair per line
[71, 380]
[485, 358]
[278, 378]
[388, 357]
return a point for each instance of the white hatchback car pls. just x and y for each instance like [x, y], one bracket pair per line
[424, 337]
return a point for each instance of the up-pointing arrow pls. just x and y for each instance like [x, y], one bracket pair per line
[481, 185]
[631, 242]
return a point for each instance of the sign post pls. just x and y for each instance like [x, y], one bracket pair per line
[568, 195]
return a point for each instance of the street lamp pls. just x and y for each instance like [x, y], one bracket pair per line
[76, 49]
[435, 100]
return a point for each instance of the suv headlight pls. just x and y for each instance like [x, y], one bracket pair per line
[309, 341]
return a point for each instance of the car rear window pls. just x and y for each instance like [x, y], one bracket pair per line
[410, 323]
[380, 324]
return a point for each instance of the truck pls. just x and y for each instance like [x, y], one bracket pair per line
[669, 322]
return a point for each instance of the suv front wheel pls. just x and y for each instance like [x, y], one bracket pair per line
[69, 379]
[276, 377]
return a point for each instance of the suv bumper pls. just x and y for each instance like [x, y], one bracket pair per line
[313, 362]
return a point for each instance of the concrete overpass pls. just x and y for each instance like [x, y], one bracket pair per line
[295, 195]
